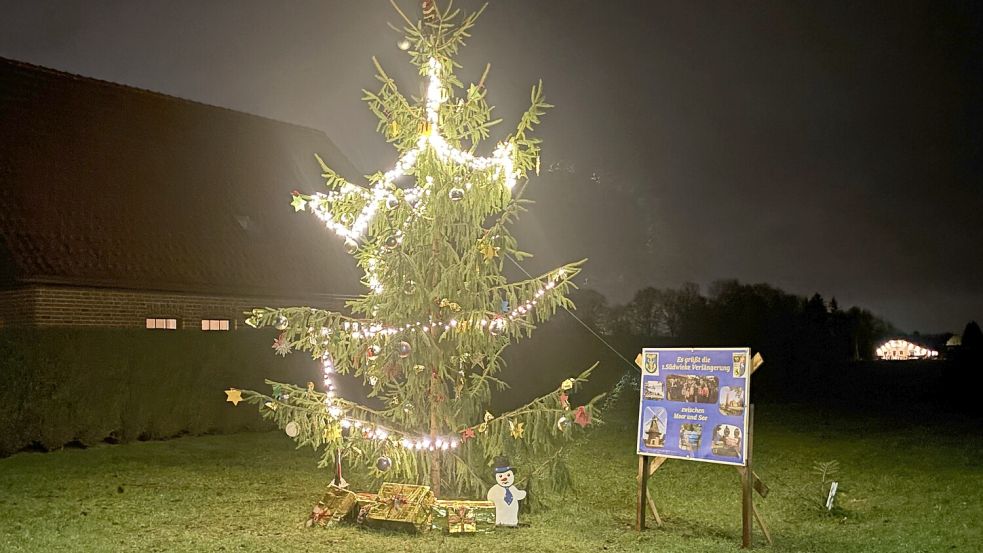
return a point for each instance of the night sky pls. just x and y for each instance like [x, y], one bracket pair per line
[820, 147]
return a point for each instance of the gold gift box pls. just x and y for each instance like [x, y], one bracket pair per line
[456, 516]
[336, 505]
[363, 503]
[402, 506]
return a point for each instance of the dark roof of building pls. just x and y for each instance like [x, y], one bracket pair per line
[107, 185]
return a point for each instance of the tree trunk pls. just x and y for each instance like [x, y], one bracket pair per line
[435, 454]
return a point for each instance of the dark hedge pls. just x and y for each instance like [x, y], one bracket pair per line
[83, 386]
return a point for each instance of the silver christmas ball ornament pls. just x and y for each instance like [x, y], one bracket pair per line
[384, 464]
[409, 287]
[403, 349]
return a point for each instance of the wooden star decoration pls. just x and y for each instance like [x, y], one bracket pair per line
[332, 433]
[581, 417]
[490, 252]
[517, 429]
[298, 203]
[233, 396]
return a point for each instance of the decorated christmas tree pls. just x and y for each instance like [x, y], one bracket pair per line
[432, 236]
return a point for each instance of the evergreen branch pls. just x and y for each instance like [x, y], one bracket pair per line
[536, 404]
[545, 464]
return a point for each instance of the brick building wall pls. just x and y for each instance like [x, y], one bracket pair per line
[50, 306]
[15, 307]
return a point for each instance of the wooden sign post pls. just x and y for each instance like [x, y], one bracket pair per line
[750, 482]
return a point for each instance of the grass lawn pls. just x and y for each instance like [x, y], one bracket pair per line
[905, 488]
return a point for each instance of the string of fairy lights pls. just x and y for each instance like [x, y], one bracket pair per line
[501, 162]
[495, 324]
[358, 330]
[373, 431]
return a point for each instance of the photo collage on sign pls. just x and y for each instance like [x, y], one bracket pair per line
[693, 404]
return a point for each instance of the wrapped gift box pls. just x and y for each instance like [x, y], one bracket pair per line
[364, 501]
[402, 506]
[336, 505]
[457, 516]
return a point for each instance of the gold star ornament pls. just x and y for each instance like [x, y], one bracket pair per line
[233, 396]
[517, 429]
[490, 252]
[299, 203]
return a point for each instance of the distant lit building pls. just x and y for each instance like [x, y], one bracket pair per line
[903, 350]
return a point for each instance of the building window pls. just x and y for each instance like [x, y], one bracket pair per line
[162, 324]
[214, 324]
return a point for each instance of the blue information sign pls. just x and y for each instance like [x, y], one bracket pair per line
[694, 404]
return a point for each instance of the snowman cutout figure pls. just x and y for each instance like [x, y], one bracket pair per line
[505, 495]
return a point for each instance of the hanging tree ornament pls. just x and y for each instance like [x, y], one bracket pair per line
[281, 345]
[392, 130]
[453, 306]
[456, 194]
[383, 464]
[373, 352]
[390, 242]
[564, 400]
[281, 322]
[517, 428]
[403, 349]
[483, 427]
[298, 203]
[233, 396]
[567, 384]
[292, 429]
[351, 246]
[582, 416]
[332, 432]
[563, 424]
[488, 250]
[392, 202]
[467, 434]
[409, 287]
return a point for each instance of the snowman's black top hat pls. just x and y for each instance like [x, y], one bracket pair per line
[502, 464]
